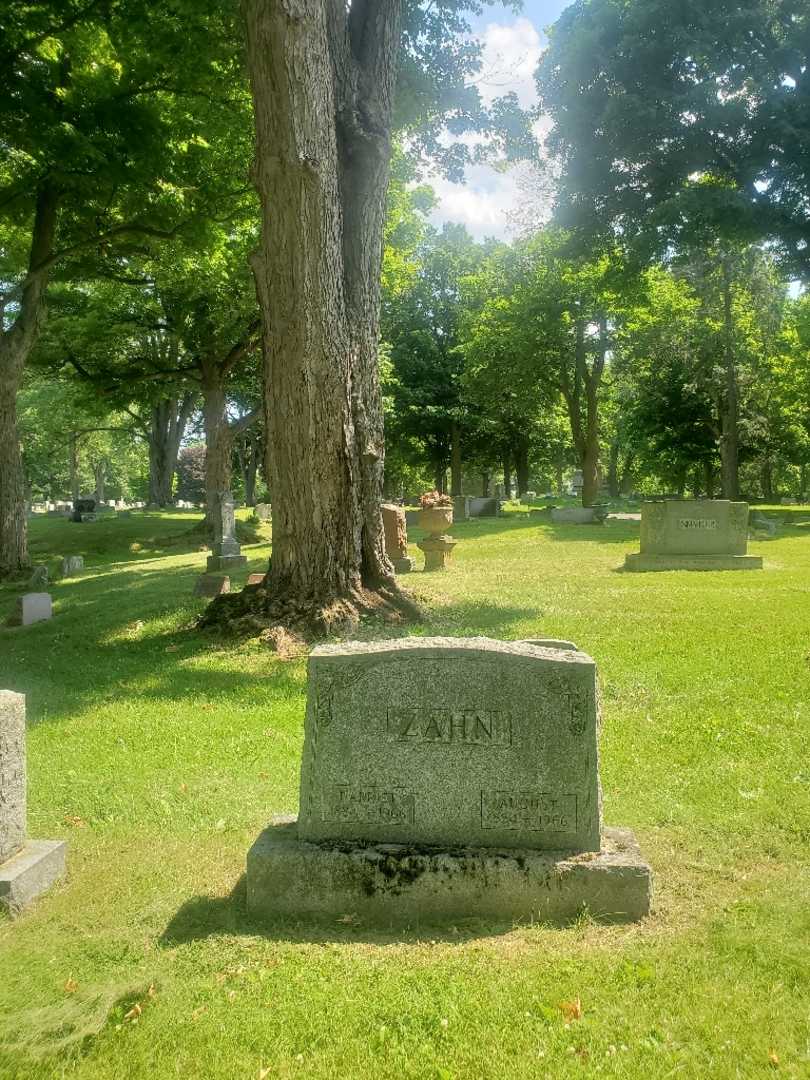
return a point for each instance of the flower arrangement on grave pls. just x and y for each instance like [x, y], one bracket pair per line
[431, 499]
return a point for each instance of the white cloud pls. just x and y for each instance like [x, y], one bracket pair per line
[483, 202]
[510, 55]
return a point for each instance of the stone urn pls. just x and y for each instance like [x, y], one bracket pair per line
[436, 519]
[437, 546]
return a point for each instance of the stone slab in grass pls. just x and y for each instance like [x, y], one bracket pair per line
[27, 867]
[394, 884]
[462, 775]
[693, 534]
[32, 608]
[31, 872]
[210, 585]
[72, 564]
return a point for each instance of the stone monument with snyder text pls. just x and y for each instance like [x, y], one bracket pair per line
[27, 867]
[449, 778]
[695, 534]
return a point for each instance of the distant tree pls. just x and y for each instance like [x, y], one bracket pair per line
[191, 474]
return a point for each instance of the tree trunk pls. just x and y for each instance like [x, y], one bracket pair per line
[440, 477]
[766, 479]
[73, 466]
[99, 470]
[520, 451]
[626, 482]
[729, 414]
[455, 460]
[16, 344]
[248, 450]
[218, 442]
[165, 433]
[322, 78]
[507, 475]
[485, 479]
[708, 479]
[613, 469]
[13, 519]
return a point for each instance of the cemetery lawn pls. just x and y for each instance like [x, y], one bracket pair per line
[160, 753]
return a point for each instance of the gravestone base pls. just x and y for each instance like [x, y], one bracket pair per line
[692, 562]
[225, 562]
[30, 872]
[404, 565]
[399, 885]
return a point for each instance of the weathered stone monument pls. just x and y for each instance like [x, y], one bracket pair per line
[40, 576]
[430, 790]
[226, 551]
[210, 585]
[32, 608]
[72, 564]
[694, 534]
[396, 538]
[263, 511]
[27, 867]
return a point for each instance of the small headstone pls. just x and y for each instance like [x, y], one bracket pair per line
[574, 515]
[27, 868]
[396, 537]
[72, 564]
[694, 534]
[256, 579]
[32, 608]
[447, 778]
[39, 576]
[263, 511]
[226, 551]
[212, 585]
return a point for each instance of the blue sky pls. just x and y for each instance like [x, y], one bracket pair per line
[512, 46]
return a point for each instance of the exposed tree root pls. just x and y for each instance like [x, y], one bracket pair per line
[288, 623]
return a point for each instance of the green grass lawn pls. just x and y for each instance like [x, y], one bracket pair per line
[160, 753]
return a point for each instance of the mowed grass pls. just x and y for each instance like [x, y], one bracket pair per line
[160, 753]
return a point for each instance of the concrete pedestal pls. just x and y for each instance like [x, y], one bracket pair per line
[398, 885]
[437, 551]
[692, 562]
[225, 562]
[28, 874]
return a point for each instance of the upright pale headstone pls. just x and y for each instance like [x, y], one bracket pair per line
[32, 608]
[694, 534]
[396, 537]
[449, 777]
[12, 774]
[263, 511]
[27, 867]
[72, 564]
[226, 551]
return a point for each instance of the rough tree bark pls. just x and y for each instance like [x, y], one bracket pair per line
[16, 344]
[73, 465]
[506, 462]
[165, 431]
[248, 449]
[322, 78]
[581, 394]
[520, 454]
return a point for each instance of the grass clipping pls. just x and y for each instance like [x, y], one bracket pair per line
[71, 1024]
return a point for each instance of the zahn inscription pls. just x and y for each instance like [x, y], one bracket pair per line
[528, 810]
[470, 727]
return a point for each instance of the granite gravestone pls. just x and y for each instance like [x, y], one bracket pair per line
[696, 534]
[72, 564]
[32, 608]
[396, 538]
[226, 551]
[431, 787]
[210, 585]
[27, 867]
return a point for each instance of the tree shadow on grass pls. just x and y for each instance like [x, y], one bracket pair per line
[204, 917]
[613, 532]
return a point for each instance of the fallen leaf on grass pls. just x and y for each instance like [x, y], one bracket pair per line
[72, 819]
[198, 1012]
[71, 986]
[773, 1058]
[571, 1010]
